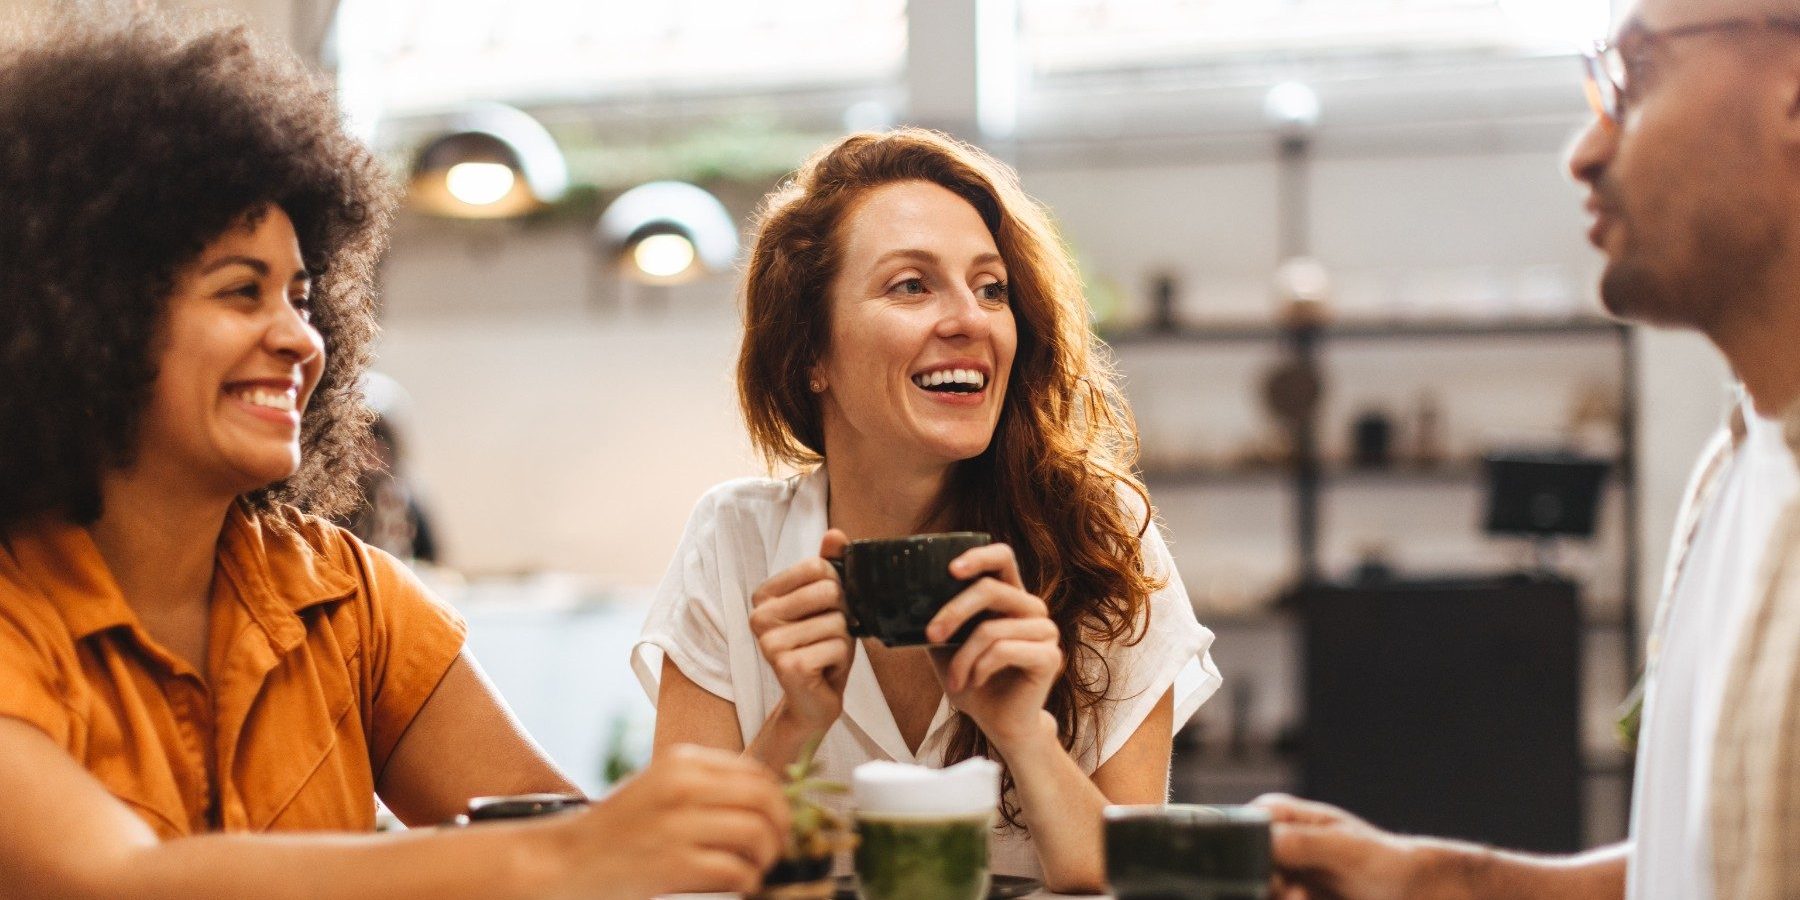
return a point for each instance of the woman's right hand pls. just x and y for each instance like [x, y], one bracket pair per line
[798, 618]
[695, 820]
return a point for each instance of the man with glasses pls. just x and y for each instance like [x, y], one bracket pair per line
[1693, 172]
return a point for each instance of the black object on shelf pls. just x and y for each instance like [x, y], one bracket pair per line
[1372, 440]
[1447, 707]
[1163, 290]
[1543, 494]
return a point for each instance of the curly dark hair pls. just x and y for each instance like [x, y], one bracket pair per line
[126, 146]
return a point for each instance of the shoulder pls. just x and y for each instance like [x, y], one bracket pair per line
[749, 494]
[305, 553]
[285, 535]
[744, 505]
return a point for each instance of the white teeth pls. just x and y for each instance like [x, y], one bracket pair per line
[951, 376]
[281, 400]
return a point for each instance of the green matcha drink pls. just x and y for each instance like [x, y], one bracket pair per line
[922, 834]
[922, 857]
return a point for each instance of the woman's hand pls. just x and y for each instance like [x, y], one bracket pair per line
[696, 819]
[1001, 677]
[798, 618]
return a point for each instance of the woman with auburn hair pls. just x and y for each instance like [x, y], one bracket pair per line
[917, 344]
[198, 674]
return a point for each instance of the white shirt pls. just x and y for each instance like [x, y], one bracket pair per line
[1671, 829]
[744, 531]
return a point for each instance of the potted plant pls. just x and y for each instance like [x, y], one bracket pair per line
[814, 840]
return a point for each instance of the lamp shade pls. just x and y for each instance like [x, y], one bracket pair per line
[493, 162]
[668, 232]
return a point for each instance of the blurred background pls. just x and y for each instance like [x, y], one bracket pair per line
[1417, 486]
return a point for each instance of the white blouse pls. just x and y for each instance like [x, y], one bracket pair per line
[744, 531]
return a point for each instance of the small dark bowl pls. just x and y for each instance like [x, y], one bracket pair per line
[798, 879]
[1187, 852]
[789, 871]
[894, 587]
[517, 806]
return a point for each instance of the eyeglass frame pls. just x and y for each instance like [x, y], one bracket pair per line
[1606, 90]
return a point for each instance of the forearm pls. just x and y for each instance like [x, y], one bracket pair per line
[782, 737]
[1452, 870]
[492, 861]
[1062, 807]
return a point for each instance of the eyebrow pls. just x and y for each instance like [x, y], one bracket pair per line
[258, 266]
[930, 257]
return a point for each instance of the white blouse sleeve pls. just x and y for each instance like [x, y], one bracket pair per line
[1173, 653]
[686, 622]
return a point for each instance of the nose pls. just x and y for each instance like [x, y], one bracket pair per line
[1592, 150]
[293, 338]
[963, 316]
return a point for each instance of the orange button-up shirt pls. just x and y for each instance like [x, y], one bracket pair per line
[322, 650]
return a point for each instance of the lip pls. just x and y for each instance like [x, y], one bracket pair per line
[971, 399]
[289, 419]
[1603, 220]
[1597, 232]
[986, 370]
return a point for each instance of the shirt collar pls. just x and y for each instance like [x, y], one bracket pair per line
[1744, 410]
[1790, 427]
[864, 706]
[61, 559]
[277, 574]
[806, 520]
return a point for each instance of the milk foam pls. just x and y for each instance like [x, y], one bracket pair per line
[971, 787]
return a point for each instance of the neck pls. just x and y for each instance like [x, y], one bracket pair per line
[1760, 348]
[158, 540]
[870, 500]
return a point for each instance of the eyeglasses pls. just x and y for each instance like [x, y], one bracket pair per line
[1608, 66]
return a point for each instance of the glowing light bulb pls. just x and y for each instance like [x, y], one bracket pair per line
[479, 184]
[1292, 104]
[663, 255]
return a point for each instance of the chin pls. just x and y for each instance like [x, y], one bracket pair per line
[258, 473]
[1634, 293]
[959, 451]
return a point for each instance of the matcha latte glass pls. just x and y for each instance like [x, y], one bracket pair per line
[922, 834]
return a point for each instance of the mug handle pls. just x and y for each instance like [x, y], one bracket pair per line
[856, 626]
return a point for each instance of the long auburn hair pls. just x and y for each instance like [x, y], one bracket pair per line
[1051, 482]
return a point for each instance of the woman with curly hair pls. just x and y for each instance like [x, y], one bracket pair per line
[191, 660]
[916, 340]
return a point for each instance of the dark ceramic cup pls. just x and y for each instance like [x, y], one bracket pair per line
[1186, 852]
[893, 587]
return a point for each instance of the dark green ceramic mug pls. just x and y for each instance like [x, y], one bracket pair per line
[1187, 852]
[894, 587]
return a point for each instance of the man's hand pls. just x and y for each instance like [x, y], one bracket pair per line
[1324, 853]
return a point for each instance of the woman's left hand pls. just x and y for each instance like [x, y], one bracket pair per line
[1002, 675]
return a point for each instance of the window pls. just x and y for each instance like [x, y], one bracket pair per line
[1077, 35]
[397, 57]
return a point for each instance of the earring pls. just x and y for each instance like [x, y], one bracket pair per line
[818, 387]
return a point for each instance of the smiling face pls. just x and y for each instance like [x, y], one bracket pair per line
[1687, 192]
[922, 332]
[237, 362]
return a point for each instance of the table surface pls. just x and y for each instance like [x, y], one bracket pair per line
[1040, 895]
[1035, 895]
